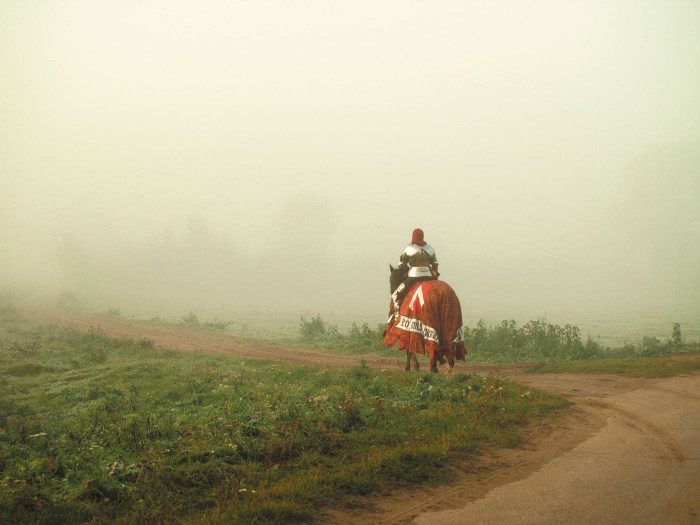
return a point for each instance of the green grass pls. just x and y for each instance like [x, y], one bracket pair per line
[100, 429]
[634, 367]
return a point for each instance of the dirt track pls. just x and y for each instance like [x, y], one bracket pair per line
[628, 452]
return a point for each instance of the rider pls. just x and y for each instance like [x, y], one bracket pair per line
[419, 259]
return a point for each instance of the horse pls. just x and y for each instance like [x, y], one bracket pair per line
[429, 319]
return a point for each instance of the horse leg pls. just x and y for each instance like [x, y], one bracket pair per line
[433, 364]
[450, 364]
[416, 364]
[407, 367]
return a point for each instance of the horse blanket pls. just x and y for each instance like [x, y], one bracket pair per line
[429, 319]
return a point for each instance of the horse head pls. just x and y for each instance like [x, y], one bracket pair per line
[396, 277]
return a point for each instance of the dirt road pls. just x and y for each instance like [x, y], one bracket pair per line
[628, 452]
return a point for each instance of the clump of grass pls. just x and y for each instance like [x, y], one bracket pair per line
[191, 320]
[217, 324]
[99, 429]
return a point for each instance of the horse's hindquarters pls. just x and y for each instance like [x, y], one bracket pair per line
[429, 321]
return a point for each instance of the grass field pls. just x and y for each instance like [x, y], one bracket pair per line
[100, 429]
[634, 367]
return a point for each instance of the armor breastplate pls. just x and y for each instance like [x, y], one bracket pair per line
[419, 260]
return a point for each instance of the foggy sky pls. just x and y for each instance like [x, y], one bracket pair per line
[280, 153]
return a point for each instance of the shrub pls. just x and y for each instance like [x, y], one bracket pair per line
[313, 329]
[676, 338]
[326, 335]
[190, 319]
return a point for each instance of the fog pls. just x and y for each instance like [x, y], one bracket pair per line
[277, 155]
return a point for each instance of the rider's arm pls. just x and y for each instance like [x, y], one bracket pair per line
[434, 264]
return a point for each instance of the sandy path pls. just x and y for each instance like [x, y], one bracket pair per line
[642, 466]
[628, 452]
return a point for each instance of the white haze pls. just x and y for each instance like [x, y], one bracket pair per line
[277, 155]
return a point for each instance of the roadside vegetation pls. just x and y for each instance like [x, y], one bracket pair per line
[94, 428]
[540, 340]
[536, 341]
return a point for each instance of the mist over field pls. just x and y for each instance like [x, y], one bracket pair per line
[276, 156]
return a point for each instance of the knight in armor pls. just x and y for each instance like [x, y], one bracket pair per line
[419, 261]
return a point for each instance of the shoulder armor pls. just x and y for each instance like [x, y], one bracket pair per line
[412, 250]
[429, 250]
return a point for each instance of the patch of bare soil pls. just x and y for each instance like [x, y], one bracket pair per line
[627, 452]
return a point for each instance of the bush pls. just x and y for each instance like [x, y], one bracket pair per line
[190, 319]
[326, 335]
[676, 338]
[313, 329]
[540, 340]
